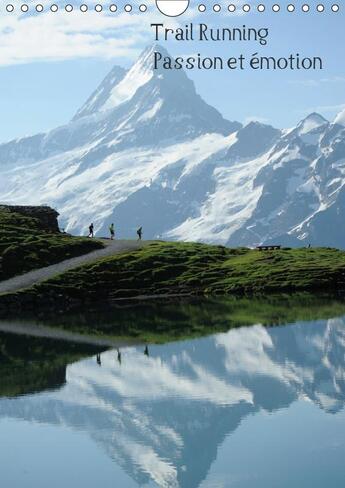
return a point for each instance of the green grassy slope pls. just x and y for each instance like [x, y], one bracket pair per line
[32, 364]
[24, 245]
[187, 268]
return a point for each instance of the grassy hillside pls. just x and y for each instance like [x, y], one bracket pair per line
[25, 245]
[186, 268]
[32, 364]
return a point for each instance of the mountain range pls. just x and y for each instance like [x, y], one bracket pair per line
[145, 149]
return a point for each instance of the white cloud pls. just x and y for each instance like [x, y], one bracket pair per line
[333, 79]
[314, 83]
[330, 109]
[48, 36]
[60, 36]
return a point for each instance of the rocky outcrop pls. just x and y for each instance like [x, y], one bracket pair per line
[47, 216]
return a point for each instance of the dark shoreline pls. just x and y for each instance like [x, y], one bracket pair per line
[163, 320]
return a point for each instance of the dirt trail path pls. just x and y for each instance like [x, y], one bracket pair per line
[37, 276]
[30, 328]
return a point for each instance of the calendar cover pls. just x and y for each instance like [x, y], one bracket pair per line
[172, 186]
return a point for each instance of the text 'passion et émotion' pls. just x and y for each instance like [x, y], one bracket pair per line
[202, 32]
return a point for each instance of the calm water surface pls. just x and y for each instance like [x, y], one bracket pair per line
[252, 407]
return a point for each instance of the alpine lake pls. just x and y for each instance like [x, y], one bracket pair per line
[210, 393]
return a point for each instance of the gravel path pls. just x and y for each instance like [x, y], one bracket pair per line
[37, 276]
[30, 328]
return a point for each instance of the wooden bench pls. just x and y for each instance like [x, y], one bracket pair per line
[268, 248]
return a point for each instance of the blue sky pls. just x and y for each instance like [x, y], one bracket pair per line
[50, 63]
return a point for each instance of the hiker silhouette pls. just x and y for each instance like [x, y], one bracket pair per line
[119, 356]
[112, 231]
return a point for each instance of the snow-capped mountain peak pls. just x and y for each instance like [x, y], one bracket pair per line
[139, 74]
[310, 123]
[126, 102]
[121, 85]
[340, 118]
[100, 96]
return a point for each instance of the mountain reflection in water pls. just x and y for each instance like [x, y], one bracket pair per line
[162, 416]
